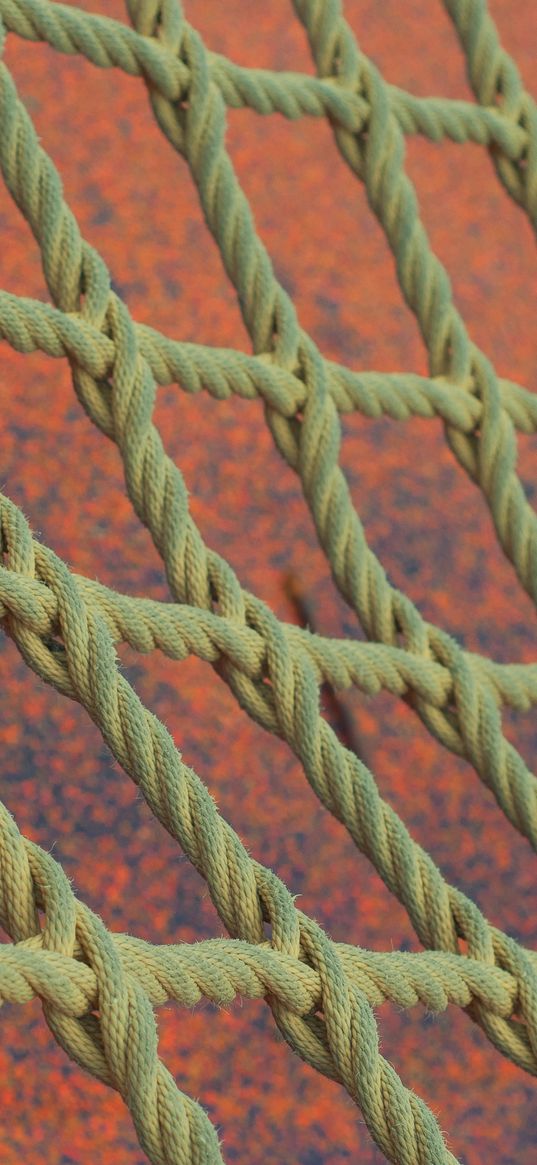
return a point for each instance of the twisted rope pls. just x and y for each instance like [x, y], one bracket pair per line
[98, 989]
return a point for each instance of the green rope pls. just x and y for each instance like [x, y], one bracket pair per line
[99, 989]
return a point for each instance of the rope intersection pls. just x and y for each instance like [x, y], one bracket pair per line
[99, 989]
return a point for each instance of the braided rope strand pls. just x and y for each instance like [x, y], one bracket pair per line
[99, 989]
[516, 797]
[514, 788]
[243, 891]
[88, 672]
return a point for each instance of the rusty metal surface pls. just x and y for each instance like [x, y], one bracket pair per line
[135, 201]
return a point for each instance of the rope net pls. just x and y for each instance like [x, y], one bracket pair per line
[99, 988]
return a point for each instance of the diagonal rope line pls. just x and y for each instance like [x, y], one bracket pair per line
[66, 626]
[244, 893]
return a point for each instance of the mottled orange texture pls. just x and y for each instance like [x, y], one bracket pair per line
[135, 201]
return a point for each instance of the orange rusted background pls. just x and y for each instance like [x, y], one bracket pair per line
[136, 203]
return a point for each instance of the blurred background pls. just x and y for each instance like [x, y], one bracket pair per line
[135, 201]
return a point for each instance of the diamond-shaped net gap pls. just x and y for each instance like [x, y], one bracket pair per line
[99, 988]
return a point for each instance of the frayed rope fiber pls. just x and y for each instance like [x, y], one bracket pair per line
[99, 989]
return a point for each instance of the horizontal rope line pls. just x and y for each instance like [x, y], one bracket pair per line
[181, 630]
[347, 788]
[29, 325]
[107, 43]
[221, 970]
[273, 670]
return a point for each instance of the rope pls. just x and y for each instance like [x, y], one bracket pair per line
[99, 989]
